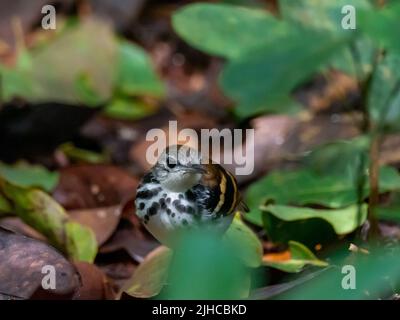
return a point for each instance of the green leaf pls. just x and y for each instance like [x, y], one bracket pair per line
[343, 221]
[151, 275]
[5, 205]
[245, 241]
[81, 242]
[327, 15]
[84, 88]
[286, 105]
[382, 25]
[40, 211]
[390, 210]
[136, 75]
[381, 262]
[300, 257]
[226, 30]
[25, 175]
[128, 109]
[389, 213]
[216, 269]
[349, 157]
[77, 154]
[75, 67]
[384, 96]
[319, 14]
[266, 76]
[305, 187]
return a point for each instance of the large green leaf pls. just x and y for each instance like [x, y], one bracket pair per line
[74, 67]
[245, 242]
[329, 285]
[204, 267]
[26, 175]
[300, 256]
[327, 15]
[266, 76]
[343, 220]
[136, 74]
[382, 25]
[320, 14]
[226, 30]
[340, 157]
[384, 96]
[304, 187]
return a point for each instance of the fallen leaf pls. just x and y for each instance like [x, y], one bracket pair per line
[44, 214]
[103, 221]
[95, 285]
[94, 186]
[299, 256]
[151, 275]
[21, 267]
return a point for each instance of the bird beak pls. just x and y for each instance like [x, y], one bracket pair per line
[195, 168]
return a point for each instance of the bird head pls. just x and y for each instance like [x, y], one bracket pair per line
[179, 168]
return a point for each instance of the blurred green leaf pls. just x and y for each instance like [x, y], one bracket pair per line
[266, 76]
[81, 242]
[245, 241]
[16, 81]
[284, 105]
[136, 74]
[127, 108]
[226, 30]
[40, 211]
[319, 14]
[382, 25]
[389, 213]
[300, 256]
[305, 187]
[84, 88]
[151, 275]
[347, 157]
[26, 175]
[381, 263]
[343, 221]
[64, 69]
[204, 267]
[384, 96]
[81, 155]
[327, 15]
[5, 206]
[390, 209]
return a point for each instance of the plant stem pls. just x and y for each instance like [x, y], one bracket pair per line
[376, 140]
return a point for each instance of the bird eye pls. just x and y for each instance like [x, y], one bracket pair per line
[171, 163]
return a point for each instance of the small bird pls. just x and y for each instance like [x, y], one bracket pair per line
[182, 192]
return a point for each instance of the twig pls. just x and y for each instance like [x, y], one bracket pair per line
[376, 140]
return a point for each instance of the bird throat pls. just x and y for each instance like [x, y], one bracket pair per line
[180, 182]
